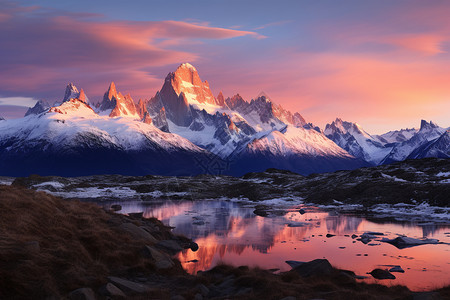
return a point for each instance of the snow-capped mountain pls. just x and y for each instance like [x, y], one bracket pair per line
[396, 136]
[428, 132]
[354, 139]
[439, 147]
[185, 130]
[186, 106]
[295, 148]
[72, 139]
[2, 119]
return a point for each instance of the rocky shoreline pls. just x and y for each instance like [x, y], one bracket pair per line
[54, 248]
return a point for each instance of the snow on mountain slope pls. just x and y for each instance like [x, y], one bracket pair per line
[300, 150]
[186, 106]
[351, 137]
[428, 132]
[396, 136]
[439, 147]
[72, 139]
[62, 124]
[295, 140]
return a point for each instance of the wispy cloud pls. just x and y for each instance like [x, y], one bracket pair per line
[40, 48]
[18, 101]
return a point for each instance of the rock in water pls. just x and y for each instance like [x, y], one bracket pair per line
[397, 269]
[314, 268]
[402, 242]
[381, 274]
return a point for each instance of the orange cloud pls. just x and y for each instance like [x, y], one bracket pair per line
[429, 44]
[40, 51]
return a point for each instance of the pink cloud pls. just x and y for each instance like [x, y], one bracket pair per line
[39, 51]
[429, 44]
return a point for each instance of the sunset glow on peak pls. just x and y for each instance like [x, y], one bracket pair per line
[382, 64]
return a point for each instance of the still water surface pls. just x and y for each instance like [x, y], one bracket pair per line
[228, 232]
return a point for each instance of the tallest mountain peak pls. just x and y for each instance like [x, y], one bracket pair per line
[187, 66]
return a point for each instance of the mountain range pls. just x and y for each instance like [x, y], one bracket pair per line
[185, 130]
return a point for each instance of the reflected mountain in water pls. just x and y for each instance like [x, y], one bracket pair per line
[228, 232]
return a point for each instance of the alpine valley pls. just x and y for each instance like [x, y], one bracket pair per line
[185, 130]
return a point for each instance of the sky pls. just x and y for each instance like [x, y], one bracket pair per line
[383, 64]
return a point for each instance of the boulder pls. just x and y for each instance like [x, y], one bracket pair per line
[402, 242]
[82, 294]
[261, 212]
[170, 245]
[138, 232]
[314, 268]
[162, 260]
[129, 286]
[193, 246]
[294, 263]
[113, 291]
[381, 274]
[397, 269]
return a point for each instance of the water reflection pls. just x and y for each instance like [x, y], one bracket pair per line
[229, 233]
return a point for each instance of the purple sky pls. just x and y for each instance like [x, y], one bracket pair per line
[383, 64]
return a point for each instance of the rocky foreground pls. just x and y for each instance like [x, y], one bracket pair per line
[409, 182]
[54, 248]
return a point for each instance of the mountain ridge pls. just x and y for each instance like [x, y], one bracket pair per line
[184, 119]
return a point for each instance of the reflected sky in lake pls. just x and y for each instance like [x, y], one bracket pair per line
[228, 232]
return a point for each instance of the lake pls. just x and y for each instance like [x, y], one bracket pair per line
[231, 233]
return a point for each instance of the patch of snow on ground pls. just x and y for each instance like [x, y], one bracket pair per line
[443, 174]
[6, 181]
[393, 178]
[55, 184]
[424, 211]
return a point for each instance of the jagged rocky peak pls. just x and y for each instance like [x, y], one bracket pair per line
[397, 136]
[298, 121]
[220, 99]
[118, 105]
[186, 79]
[110, 97]
[38, 108]
[2, 119]
[72, 92]
[236, 102]
[424, 125]
[341, 126]
[141, 108]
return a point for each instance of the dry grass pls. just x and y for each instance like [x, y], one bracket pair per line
[266, 285]
[79, 245]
